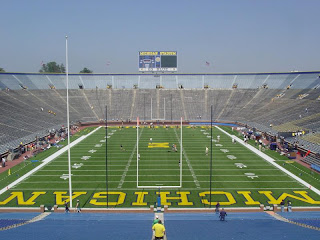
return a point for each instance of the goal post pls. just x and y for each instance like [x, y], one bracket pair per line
[180, 161]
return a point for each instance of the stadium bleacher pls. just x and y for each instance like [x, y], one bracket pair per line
[254, 102]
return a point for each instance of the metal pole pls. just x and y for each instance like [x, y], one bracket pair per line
[171, 107]
[181, 153]
[164, 107]
[68, 124]
[137, 151]
[144, 107]
[211, 160]
[107, 183]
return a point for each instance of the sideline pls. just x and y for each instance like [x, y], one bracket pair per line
[46, 161]
[271, 161]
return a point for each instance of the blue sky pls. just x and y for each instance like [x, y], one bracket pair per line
[233, 35]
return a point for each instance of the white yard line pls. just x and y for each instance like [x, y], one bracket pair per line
[129, 163]
[271, 161]
[96, 181]
[46, 161]
[189, 164]
[170, 175]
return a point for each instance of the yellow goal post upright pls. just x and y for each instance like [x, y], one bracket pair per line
[181, 151]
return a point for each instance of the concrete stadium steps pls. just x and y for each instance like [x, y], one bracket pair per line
[259, 106]
[313, 137]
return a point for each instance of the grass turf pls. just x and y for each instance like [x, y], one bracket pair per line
[159, 167]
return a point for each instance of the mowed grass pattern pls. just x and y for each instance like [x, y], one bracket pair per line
[159, 166]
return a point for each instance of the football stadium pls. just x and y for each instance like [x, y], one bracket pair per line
[161, 142]
[174, 120]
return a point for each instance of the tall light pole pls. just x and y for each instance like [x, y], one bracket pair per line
[68, 123]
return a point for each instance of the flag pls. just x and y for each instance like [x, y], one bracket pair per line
[307, 153]
[207, 63]
[9, 172]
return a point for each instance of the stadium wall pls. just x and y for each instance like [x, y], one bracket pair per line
[294, 80]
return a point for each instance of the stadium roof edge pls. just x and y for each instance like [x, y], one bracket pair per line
[241, 73]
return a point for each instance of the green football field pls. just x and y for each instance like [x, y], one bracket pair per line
[240, 178]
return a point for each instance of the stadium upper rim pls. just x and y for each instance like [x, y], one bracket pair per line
[159, 73]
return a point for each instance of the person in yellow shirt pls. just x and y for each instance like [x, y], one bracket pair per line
[159, 230]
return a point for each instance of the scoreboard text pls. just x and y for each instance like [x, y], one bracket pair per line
[158, 61]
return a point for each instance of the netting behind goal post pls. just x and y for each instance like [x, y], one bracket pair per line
[180, 161]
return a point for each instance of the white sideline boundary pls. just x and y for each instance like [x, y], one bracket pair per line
[46, 161]
[271, 161]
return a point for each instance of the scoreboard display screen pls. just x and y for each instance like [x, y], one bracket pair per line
[157, 61]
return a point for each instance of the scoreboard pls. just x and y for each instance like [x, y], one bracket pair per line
[157, 61]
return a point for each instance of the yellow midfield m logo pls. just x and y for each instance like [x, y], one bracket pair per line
[158, 145]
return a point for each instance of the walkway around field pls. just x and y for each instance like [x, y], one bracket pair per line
[186, 226]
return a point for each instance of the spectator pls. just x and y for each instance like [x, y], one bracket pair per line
[159, 230]
[223, 214]
[78, 209]
[282, 205]
[3, 162]
[289, 207]
[155, 221]
[217, 207]
[66, 207]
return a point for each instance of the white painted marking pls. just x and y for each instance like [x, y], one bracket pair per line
[92, 151]
[98, 145]
[271, 161]
[219, 145]
[104, 140]
[129, 163]
[231, 157]
[65, 176]
[77, 165]
[251, 175]
[224, 150]
[240, 165]
[46, 161]
[85, 157]
[189, 164]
